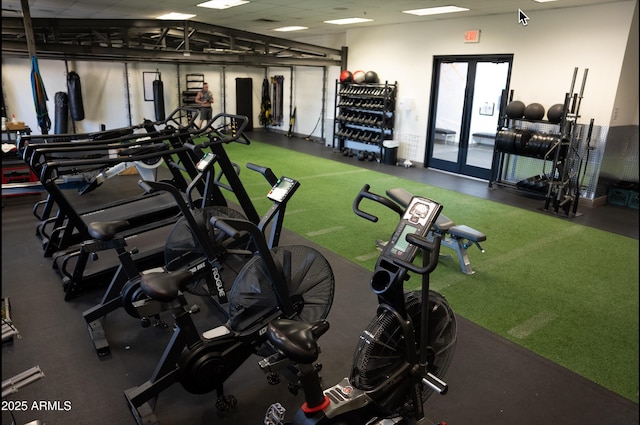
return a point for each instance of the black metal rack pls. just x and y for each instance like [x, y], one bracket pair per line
[364, 115]
[195, 83]
[559, 150]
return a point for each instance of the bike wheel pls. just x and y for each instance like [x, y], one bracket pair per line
[382, 347]
[310, 282]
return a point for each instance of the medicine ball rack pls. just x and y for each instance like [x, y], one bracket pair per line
[559, 150]
[364, 115]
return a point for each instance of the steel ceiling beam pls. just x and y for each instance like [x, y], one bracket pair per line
[150, 39]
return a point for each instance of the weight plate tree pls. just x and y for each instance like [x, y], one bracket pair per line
[520, 134]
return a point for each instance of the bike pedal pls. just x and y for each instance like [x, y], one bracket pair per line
[273, 378]
[157, 323]
[293, 388]
[226, 403]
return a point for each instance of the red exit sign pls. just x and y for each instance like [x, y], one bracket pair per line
[472, 36]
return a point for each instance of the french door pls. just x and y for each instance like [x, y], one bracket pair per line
[464, 105]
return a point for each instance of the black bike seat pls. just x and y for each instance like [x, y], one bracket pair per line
[106, 230]
[164, 286]
[297, 340]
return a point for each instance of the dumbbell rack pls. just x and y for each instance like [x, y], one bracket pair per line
[559, 150]
[364, 115]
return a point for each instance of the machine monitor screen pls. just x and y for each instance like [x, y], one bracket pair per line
[417, 219]
[281, 189]
[401, 245]
[204, 162]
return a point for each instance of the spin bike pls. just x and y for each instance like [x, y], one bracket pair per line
[404, 351]
[294, 282]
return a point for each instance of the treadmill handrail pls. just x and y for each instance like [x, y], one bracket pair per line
[47, 168]
[89, 138]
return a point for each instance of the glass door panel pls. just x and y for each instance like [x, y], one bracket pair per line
[449, 111]
[465, 106]
[490, 80]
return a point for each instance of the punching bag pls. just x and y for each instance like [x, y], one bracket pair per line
[61, 113]
[158, 99]
[74, 89]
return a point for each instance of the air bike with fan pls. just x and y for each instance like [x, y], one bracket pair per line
[405, 350]
[272, 281]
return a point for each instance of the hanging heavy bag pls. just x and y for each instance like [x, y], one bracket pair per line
[62, 113]
[74, 90]
[158, 99]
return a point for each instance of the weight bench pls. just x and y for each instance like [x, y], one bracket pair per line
[456, 237]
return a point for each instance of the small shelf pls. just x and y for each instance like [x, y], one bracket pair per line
[195, 83]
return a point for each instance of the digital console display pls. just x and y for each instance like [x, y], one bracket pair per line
[401, 244]
[417, 219]
[280, 190]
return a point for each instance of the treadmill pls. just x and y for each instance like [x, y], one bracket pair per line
[68, 225]
[77, 268]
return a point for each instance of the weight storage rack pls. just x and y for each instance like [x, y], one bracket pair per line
[195, 83]
[556, 144]
[364, 115]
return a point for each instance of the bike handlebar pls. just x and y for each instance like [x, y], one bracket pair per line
[432, 247]
[364, 193]
[226, 228]
[217, 138]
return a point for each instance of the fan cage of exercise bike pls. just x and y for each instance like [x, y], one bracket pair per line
[182, 249]
[310, 280]
[382, 350]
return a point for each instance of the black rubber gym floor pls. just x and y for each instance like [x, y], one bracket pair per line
[492, 381]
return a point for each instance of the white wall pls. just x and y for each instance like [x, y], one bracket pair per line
[104, 91]
[546, 52]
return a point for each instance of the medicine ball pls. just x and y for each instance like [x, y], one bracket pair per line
[515, 110]
[534, 111]
[554, 114]
[345, 76]
[358, 76]
[371, 77]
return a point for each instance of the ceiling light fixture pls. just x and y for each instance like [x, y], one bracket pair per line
[435, 10]
[291, 28]
[176, 16]
[347, 21]
[222, 4]
[543, 1]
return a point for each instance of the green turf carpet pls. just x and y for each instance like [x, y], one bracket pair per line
[565, 291]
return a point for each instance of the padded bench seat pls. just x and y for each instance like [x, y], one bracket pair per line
[488, 139]
[448, 136]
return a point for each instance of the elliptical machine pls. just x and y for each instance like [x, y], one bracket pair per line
[405, 350]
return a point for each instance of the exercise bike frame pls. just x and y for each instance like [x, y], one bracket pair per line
[202, 363]
[343, 403]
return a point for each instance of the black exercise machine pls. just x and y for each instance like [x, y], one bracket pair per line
[27, 144]
[73, 263]
[295, 282]
[124, 287]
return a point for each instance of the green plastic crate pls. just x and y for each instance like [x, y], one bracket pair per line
[632, 201]
[618, 196]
